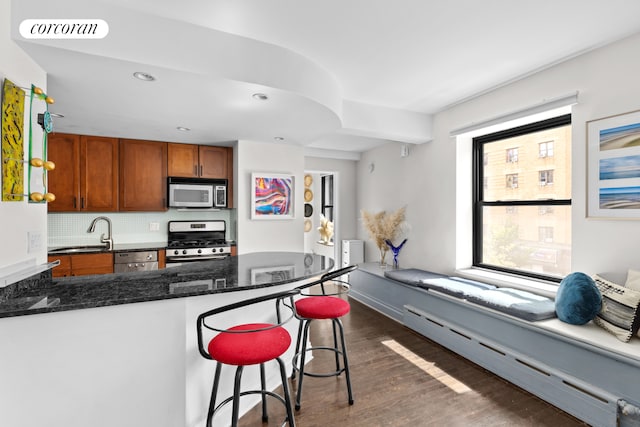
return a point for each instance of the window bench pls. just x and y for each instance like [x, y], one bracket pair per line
[582, 370]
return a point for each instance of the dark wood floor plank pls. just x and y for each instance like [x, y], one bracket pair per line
[391, 391]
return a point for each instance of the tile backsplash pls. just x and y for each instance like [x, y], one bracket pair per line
[68, 229]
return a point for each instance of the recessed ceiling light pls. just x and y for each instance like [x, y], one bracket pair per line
[183, 129]
[278, 138]
[260, 96]
[143, 76]
[56, 115]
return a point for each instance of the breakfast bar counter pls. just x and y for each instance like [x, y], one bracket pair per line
[244, 272]
[121, 349]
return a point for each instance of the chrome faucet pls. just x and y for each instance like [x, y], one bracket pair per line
[108, 240]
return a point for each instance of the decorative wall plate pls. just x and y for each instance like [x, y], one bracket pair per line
[308, 210]
[307, 225]
[308, 180]
[308, 195]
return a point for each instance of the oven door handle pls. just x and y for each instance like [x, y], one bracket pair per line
[196, 258]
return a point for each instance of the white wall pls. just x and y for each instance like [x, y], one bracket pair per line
[268, 235]
[18, 218]
[607, 81]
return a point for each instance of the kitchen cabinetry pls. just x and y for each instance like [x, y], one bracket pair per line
[143, 175]
[82, 264]
[86, 174]
[197, 161]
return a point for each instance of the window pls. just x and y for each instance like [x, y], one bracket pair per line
[545, 234]
[512, 155]
[545, 177]
[525, 232]
[545, 149]
[545, 210]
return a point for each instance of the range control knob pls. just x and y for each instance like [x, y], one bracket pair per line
[184, 251]
[199, 251]
[176, 252]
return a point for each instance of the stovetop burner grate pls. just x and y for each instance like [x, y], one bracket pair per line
[204, 243]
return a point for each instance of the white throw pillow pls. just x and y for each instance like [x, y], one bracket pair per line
[633, 280]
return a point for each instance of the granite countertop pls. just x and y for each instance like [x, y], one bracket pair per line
[44, 294]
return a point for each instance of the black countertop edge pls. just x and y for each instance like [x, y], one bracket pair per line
[232, 274]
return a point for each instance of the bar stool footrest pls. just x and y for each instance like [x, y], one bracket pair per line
[315, 374]
[246, 392]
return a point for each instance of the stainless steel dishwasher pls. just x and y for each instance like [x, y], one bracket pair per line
[135, 261]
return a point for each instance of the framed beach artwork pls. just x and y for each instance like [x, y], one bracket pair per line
[613, 167]
[272, 196]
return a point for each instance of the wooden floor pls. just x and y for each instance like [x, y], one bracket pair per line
[400, 378]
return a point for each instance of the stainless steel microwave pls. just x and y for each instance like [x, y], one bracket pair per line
[197, 193]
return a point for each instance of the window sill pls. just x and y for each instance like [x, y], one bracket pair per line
[547, 289]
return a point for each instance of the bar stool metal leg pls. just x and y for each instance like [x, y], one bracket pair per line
[263, 384]
[214, 393]
[345, 360]
[236, 397]
[296, 368]
[303, 354]
[285, 392]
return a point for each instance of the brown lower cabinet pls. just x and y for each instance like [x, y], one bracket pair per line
[82, 264]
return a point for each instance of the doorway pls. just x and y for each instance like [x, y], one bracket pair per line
[321, 200]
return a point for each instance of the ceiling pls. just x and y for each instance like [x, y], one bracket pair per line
[341, 75]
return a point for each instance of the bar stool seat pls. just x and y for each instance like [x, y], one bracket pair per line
[245, 345]
[259, 343]
[324, 306]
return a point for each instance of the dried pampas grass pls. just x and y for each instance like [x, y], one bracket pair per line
[382, 226]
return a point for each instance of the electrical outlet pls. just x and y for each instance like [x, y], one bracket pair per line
[154, 226]
[34, 241]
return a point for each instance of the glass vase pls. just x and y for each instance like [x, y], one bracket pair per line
[383, 255]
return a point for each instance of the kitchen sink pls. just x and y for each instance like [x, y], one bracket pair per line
[78, 249]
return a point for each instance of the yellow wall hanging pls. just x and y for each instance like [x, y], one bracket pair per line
[13, 145]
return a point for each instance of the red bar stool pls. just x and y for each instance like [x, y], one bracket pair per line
[327, 305]
[248, 344]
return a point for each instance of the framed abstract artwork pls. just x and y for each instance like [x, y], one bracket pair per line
[613, 167]
[272, 196]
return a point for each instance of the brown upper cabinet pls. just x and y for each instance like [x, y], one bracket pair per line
[86, 174]
[198, 161]
[143, 175]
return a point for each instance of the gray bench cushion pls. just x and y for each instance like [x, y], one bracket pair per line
[522, 304]
[411, 276]
[456, 286]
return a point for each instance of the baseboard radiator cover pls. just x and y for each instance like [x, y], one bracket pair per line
[584, 401]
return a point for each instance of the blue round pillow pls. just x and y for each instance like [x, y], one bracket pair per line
[578, 299]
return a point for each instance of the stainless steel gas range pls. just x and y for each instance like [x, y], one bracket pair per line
[190, 241]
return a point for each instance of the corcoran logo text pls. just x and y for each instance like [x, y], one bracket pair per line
[64, 29]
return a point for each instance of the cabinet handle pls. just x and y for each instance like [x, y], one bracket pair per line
[81, 202]
[200, 170]
[75, 203]
[195, 170]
